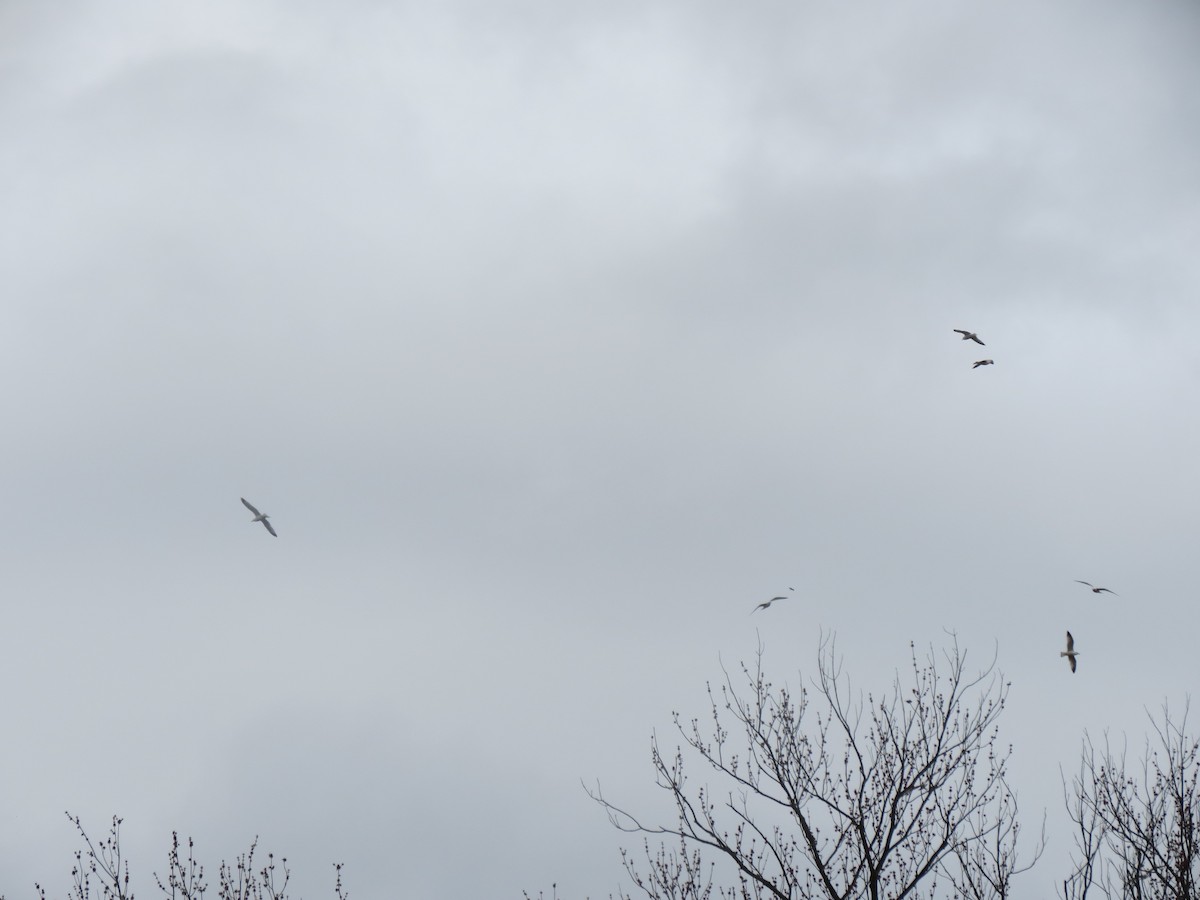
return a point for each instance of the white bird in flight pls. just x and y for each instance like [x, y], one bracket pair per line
[970, 336]
[1096, 590]
[983, 362]
[1070, 653]
[259, 517]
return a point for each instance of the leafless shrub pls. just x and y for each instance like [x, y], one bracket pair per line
[102, 873]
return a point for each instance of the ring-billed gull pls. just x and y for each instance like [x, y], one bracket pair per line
[970, 336]
[1070, 653]
[983, 362]
[1096, 590]
[259, 517]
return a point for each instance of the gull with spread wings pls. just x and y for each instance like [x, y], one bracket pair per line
[766, 604]
[259, 517]
[1070, 653]
[970, 336]
[1096, 590]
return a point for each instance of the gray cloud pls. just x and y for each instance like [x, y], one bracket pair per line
[554, 339]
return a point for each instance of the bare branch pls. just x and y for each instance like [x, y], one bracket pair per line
[1138, 835]
[839, 794]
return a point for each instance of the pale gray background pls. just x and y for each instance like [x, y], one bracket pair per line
[555, 336]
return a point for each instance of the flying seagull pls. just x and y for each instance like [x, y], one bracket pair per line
[1096, 590]
[970, 336]
[983, 362]
[766, 604]
[1070, 653]
[259, 517]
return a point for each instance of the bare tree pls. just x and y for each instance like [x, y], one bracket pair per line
[102, 873]
[836, 795]
[1138, 828]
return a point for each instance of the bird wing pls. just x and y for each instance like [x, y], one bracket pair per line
[976, 339]
[250, 506]
[269, 528]
[1072, 659]
[1070, 642]
[963, 332]
[1077, 581]
[773, 599]
[1106, 591]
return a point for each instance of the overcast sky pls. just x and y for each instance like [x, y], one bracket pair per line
[554, 337]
